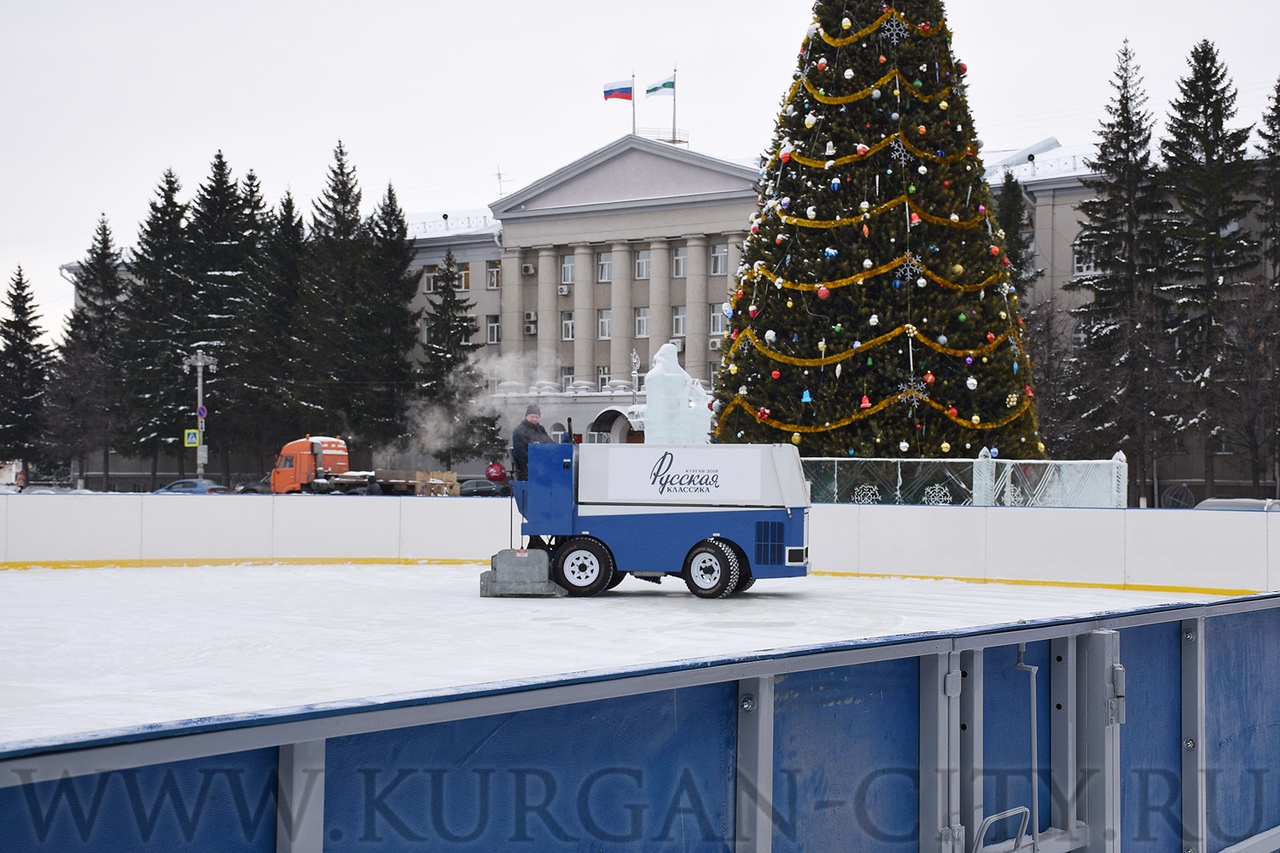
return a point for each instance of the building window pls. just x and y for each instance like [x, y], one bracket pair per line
[604, 324]
[464, 276]
[603, 377]
[604, 266]
[642, 322]
[566, 325]
[429, 278]
[493, 275]
[566, 378]
[680, 262]
[642, 265]
[1084, 261]
[717, 320]
[426, 331]
[566, 269]
[677, 321]
[641, 373]
[720, 259]
[493, 328]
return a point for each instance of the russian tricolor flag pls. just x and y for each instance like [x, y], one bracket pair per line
[623, 90]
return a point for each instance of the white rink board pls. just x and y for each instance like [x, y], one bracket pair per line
[98, 649]
[1198, 550]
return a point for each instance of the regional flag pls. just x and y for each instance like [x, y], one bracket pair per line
[662, 87]
[622, 90]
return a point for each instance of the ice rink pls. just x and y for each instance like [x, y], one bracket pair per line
[90, 650]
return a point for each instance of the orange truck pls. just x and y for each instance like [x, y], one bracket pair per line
[321, 464]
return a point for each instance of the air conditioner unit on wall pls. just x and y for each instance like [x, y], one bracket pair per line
[563, 290]
[678, 343]
[531, 316]
[528, 269]
[715, 343]
[531, 328]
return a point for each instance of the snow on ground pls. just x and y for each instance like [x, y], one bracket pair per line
[96, 649]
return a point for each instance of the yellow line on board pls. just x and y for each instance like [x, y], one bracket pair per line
[1122, 587]
[279, 561]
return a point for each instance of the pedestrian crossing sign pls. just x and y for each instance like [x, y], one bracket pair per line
[191, 438]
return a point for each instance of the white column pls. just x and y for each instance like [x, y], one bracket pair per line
[624, 324]
[547, 378]
[511, 316]
[584, 318]
[659, 296]
[697, 316]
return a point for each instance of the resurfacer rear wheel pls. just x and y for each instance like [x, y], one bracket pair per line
[711, 569]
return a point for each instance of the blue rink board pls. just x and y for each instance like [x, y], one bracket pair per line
[648, 769]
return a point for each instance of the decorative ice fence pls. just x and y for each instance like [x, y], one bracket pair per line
[970, 482]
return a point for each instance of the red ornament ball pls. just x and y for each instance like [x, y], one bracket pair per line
[824, 292]
[777, 374]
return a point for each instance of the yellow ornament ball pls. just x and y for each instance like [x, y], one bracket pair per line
[733, 368]
[946, 447]
[790, 304]
[1040, 446]
[976, 419]
[795, 439]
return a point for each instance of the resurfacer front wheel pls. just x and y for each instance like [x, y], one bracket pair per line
[583, 566]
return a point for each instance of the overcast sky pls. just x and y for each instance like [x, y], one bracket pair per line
[437, 97]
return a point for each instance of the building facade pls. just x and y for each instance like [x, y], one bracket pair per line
[600, 264]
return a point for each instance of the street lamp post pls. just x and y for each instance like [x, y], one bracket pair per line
[200, 361]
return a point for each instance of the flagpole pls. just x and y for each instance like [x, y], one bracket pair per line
[674, 94]
[633, 103]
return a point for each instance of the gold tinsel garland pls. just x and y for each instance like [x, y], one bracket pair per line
[905, 396]
[887, 207]
[845, 41]
[825, 361]
[779, 281]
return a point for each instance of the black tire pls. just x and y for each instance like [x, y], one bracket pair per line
[711, 569]
[583, 566]
[617, 578]
[746, 579]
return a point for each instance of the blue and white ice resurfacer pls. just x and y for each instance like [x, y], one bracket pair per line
[720, 516]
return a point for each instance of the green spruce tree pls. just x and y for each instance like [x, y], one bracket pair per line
[874, 313]
[1014, 220]
[86, 406]
[24, 376]
[159, 316]
[217, 266]
[333, 287]
[1210, 176]
[455, 425]
[1121, 381]
[387, 326]
[1269, 185]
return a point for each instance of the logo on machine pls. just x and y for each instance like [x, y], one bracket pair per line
[689, 481]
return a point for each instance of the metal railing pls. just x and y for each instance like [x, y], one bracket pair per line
[969, 482]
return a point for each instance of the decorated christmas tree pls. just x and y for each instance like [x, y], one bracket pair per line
[874, 313]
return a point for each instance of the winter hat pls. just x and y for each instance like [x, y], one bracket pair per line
[533, 409]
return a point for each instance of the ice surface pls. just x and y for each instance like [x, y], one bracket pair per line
[676, 409]
[95, 649]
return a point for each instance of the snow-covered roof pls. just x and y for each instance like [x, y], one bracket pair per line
[1045, 159]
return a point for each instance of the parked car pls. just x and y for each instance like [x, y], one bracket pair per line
[192, 486]
[257, 487]
[484, 488]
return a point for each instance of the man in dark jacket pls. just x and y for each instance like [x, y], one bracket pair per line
[528, 431]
